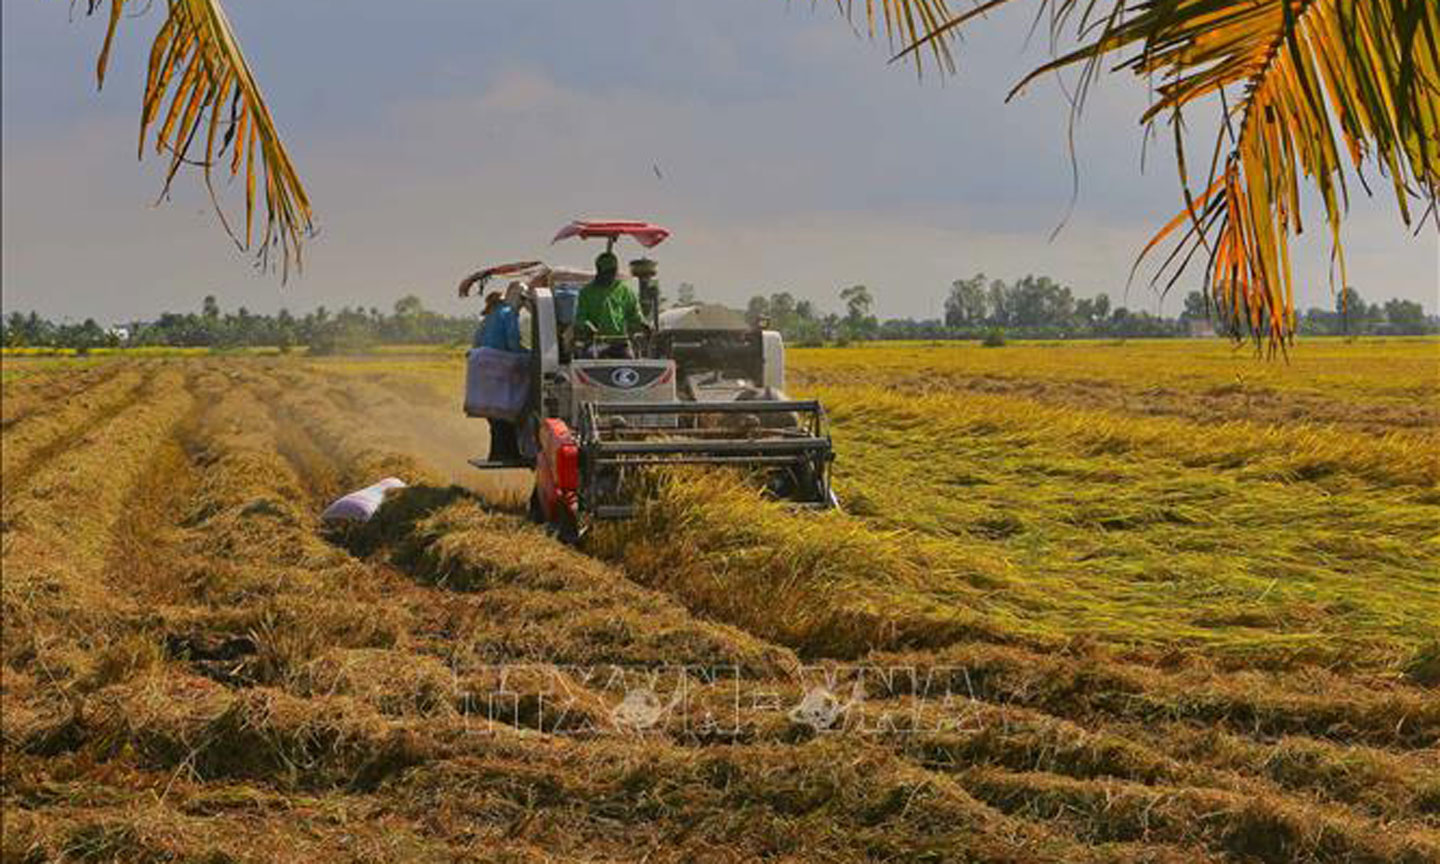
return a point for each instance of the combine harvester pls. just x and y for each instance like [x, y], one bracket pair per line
[702, 387]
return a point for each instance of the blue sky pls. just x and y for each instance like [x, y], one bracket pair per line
[439, 135]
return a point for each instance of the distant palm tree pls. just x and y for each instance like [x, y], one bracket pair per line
[1308, 92]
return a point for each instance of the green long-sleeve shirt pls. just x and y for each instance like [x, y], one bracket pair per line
[611, 309]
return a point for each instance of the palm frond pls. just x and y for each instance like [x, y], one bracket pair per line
[201, 105]
[919, 24]
[1309, 91]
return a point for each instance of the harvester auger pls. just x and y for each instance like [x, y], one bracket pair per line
[702, 387]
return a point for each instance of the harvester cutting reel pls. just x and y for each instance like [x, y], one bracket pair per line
[590, 473]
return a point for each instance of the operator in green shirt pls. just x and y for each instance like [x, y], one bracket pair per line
[607, 312]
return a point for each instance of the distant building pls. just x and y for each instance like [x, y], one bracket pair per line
[127, 331]
[1201, 328]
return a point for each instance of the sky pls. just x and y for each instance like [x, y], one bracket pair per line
[437, 136]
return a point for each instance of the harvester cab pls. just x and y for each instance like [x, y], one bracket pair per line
[700, 386]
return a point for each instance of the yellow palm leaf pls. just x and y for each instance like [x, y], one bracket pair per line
[201, 104]
[1306, 86]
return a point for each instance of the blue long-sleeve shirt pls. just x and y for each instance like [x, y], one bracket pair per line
[500, 329]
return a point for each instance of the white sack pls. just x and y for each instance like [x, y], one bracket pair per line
[497, 383]
[360, 505]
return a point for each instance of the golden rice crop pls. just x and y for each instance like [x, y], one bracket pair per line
[1366, 370]
[826, 584]
[1266, 542]
[254, 689]
[1253, 541]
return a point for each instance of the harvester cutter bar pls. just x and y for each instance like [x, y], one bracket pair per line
[729, 433]
[697, 460]
[757, 406]
[731, 447]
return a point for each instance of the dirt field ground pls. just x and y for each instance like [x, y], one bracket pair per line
[1152, 602]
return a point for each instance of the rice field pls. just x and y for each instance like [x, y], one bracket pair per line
[1085, 602]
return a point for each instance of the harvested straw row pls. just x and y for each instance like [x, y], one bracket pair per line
[44, 433]
[611, 799]
[57, 531]
[824, 800]
[1259, 828]
[1366, 783]
[219, 823]
[343, 422]
[1090, 687]
[531, 598]
[253, 555]
[251, 573]
[64, 622]
[28, 396]
[1024, 740]
[1375, 781]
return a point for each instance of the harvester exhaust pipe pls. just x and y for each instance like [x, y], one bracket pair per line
[645, 270]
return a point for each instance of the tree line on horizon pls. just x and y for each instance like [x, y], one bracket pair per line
[1038, 307]
[321, 330]
[1034, 307]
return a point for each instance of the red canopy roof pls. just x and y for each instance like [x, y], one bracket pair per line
[647, 234]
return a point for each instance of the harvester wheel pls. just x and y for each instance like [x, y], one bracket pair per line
[566, 529]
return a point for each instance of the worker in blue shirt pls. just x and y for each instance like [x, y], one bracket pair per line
[500, 330]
